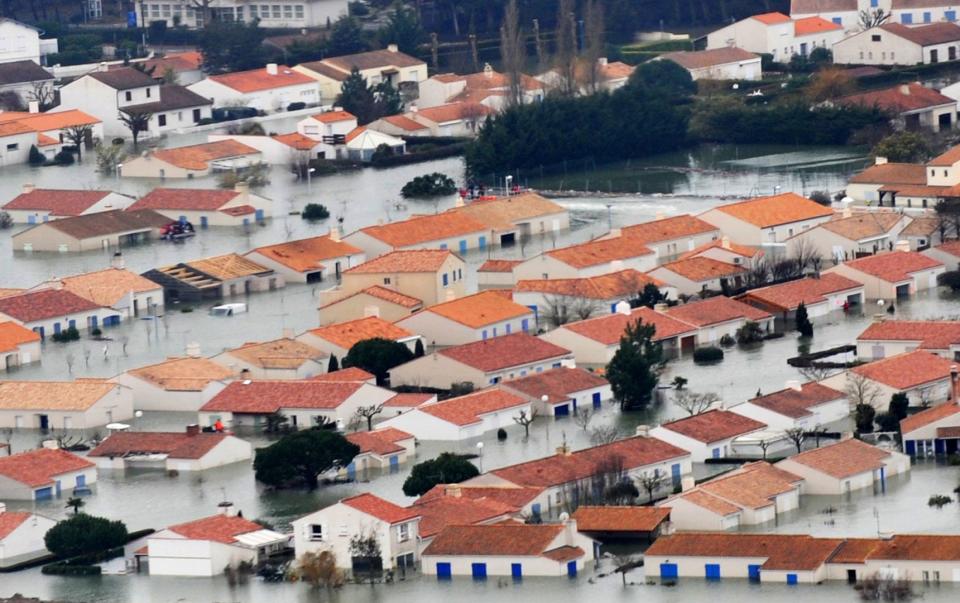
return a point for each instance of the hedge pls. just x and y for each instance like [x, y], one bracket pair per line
[449, 150]
[708, 354]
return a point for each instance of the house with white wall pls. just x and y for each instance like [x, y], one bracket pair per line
[820, 295]
[554, 297]
[383, 449]
[696, 274]
[463, 417]
[891, 337]
[583, 260]
[516, 216]
[116, 287]
[844, 467]
[63, 405]
[34, 205]
[337, 339]
[708, 435]
[178, 384]
[19, 345]
[24, 79]
[278, 14]
[729, 63]
[913, 106]
[21, 536]
[933, 432]
[190, 450]
[51, 311]
[899, 44]
[330, 529]
[923, 376]
[284, 358]
[804, 406]
[44, 473]
[894, 275]
[20, 42]
[717, 316]
[271, 88]
[778, 35]
[191, 161]
[309, 260]
[764, 220]
[487, 86]
[670, 236]
[214, 278]
[455, 231]
[471, 318]
[562, 391]
[851, 236]
[375, 300]
[208, 207]
[375, 66]
[947, 253]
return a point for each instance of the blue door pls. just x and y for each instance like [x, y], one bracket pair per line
[93, 322]
[516, 570]
[535, 509]
[246, 221]
[938, 446]
[258, 214]
[715, 453]
[482, 242]
[508, 329]
[753, 572]
[463, 246]
[596, 400]
[31, 219]
[43, 494]
[478, 571]
[525, 325]
[572, 569]
[39, 331]
[443, 571]
[906, 19]
[394, 464]
[926, 17]
[351, 471]
[81, 481]
[791, 578]
[561, 410]
[883, 479]
[56, 328]
[675, 474]
[72, 324]
[203, 221]
[669, 570]
[951, 15]
[712, 571]
[910, 447]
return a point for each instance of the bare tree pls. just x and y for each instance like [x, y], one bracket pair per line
[513, 52]
[320, 569]
[565, 57]
[604, 434]
[561, 309]
[796, 435]
[583, 416]
[803, 253]
[42, 93]
[873, 18]
[877, 587]
[79, 136]
[86, 355]
[367, 413]
[759, 274]
[763, 444]
[593, 44]
[861, 390]
[694, 403]
[926, 396]
[137, 122]
[650, 482]
[815, 372]
[524, 419]
[623, 564]
[70, 358]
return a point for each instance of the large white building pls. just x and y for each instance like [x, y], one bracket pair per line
[847, 12]
[778, 35]
[276, 13]
[898, 44]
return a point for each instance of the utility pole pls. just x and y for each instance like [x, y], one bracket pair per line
[538, 43]
[474, 53]
[435, 51]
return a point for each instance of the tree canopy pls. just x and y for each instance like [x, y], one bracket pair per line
[377, 356]
[403, 29]
[82, 534]
[429, 185]
[368, 102]
[346, 37]
[634, 370]
[448, 468]
[232, 46]
[297, 459]
[903, 147]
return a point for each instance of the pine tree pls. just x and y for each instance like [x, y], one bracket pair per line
[418, 349]
[804, 326]
[635, 368]
[333, 365]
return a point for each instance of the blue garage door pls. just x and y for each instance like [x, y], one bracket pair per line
[712, 571]
[516, 570]
[669, 570]
[479, 571]
[572, 569]
[791, 578]
[443, 571]
[43, 494]
[561, 410]
[753, 572]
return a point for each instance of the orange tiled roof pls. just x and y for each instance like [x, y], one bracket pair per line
[808, 290]
[46, 122]
[188, 199]
[451, 112]
[701, 59]
[504, 352]
[382, 293]
[892, 173]
[600, 251]
[951, 155]
[509, 494]
[714, 426]
[609, 286]
[257, 80]
[281, 353]
[404, 123]
[408, 400]
[620, 519]
[710, 502]
[12, 335]
[404, 260]
[609, 329]
[76, 395]
[766, 212]
[58, 202]
[469, 409]
[199, 156]
[949, 247]
[843, 459]
[921, 227]
[730, 246]
[753, 487]
[863, 225]
[715, 310]
[36, 305]
[792, 403]
[502, 539]
[108, 287]
[182, 374]
[928, 416]
[379, 441]
[217, 528]
[265, 397]
[781, 551]
[498, 265]
[895, 266]
[11, 520]
[228, 266]
[701, 268]
[557, 384]
[505, 213]
[350, 373]
[179, 445]
[809, 26]
[305, 255]
[438, 512]
[420, 230]
[906, 371]
[771, 18]
[479, 310]
[346, 334]
[39, 467]
[901, 99]
[330, 117]
[381, 509]
[296, 140]
[928, 334]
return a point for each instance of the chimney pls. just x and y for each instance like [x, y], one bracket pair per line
[878, 160]
[453, 490]
[459, 202]
[902, 245]
[725, 242]
[905, 89]
[241, 187]
[117, 261]
[602, 61]
[615, 233]
[847, 212]
[563, 450]
[193, 350]
[487, 70]
[28, 188]
[642, 430]
[413, 108]
[34, 106]
[271, 69]
[450, 295]
[3, 507]
[334, 234]
[660, 307]
[373, 311]
[687, 483]
[226, 508]
[193, 429]
[794, 385]
[288, 333]
[392, 48]
[622, 307]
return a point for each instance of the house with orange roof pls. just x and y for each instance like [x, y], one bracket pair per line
[177, 384]
[63, 405]
[767, 220]
[289, 149]
[711, 434]
[450, 507]
[845, 467]
[669, 236]
[805, 405]
[106, 94]
[330, 529]
[514, 217]
[383, 450]
[914, 106]
[820, 295]
[509, 548]
[36, 205]
[723, 250]
[375, 66]
[947, 253]
[193, 161]
[208, 207]
[18, 345]
[337, 136]
[205, 547]
[486, 362]
[470, 318]
[594, 341]
[923, 376]
[459, 119]
[850, 236]
[115, 287]
[213, 278]
[496, 274]
[188, 450]
[21, 536]
[487, 86]
[557, 299]
[337, 339]
[455, 231]
[717, 316]
[604, 74]
[399, 125]
[616, 522]
[932, 432]
[865, 186]
[778, 35]
[894, 275]
[884, 338]
[51, 311]
[45, 473]
[284, 358]
[698, 274]
[463, 417]
[718, 64]
[373, 301]
[899, 44]
[185, 67]
[271, 88]
[592, 258]
[562, 391]
[309, 260]
[19, 131]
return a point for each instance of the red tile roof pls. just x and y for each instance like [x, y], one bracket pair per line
[892, 173]
[175, 445]
[843, 459]
[305, 255]
[895, 266]
[469, 409]
[264, 397]
[949, 247]
[479, 310]
[408, 400]
[620, 519]
[498, 265]
[256, 80]
[559, 469]
[610, 328]
[410, 260]
[925, 35]
[501, 540]
[383, 510]
[10, 521]
[504, 352]
[792, 403]
[600, 251]
[44, 303]
[729, 246]
[348, 374]
[714, 426]
[918, 547]
[928, 416]
[701, 268]
[771, 18]
[36, 468]
[715, 310]
[296, 140]
[604, 287]
[781, 551]
[711, 503]
[379, 441]
[809, 26]
[56, 201]
[185, 199]
[420, 230]
[12, 335]
[928, 334]
[766, 212]
[900, 99]
[809, 290]
[404, 123]
[199, 156]
[330, 117]
[346, 334]
[557, 384]
[216, 528]
[906, 371]
[382, 293]
[511, 495]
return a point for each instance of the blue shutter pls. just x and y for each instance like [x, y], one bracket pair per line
[926, 17]
[56, 328]
[394, 464]
[712, 571]
[669, 570]
[463, 246]
[561, 410]
[482, 242]
[507, 327]
[443, 245]
[950, 15]
[910, 447]
[516, 570]
[715, 453]
[791, 578]
[203, 221]
[446, 279]
[525, 325]
[906, 19]
[572, 569]
[443, 571]
[478, 571]
[484, 334]
[43, 494]
[675, 474]
[258, 214]
[837, 20]
[31, 219]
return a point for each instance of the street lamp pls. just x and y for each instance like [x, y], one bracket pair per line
[480, 453]
[309, 179]
[609, 216]
[507, 181]
[119, 167]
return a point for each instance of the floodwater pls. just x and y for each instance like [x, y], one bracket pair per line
[154, 499]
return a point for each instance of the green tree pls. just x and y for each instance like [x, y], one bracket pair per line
[377, 356]
[448, 468]
[418, 350]
[750, 332]
[387, 100]
[863, 416]
[297, 459]
[899, 403]
[649, 297]
[232, 46]
[333, 364]
[315, 211]
[82, 534]
[358, 98]
[429, 185]
[635, 368]
[346, 37]
[903, 147]
[662, 78]
[137, 122]
[366, 555]
[403, 29]
[804, 326]
[76, 503]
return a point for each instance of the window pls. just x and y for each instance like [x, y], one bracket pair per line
[253, 11]
[404, 532]
[316, 532]
[148, 92]
[298, 11]
[287, 11]
[861, 54]
[265, 11]
[276, 11]
[875, 38]
[128, 95]
[166, 10]
[837, 20]
[556, 365]
[926, 17]
[446, 279]
[196, 115]
[906, 19]
[13, 146]
[386, 280]
[161, 120]
[874, 3]
[508, 328]
[343, 530]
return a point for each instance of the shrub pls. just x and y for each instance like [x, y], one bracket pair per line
[6, 221]
[821, 197]
[939, 500]
[750, 332]
[84, 534]
[501, 434]
[36, 157]
[296, 106]
[64, 157]
[96, 332]
[727, 340]
[315, 211]
[950, 279]
[69, 334]
[429, 185]
[708, 354]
